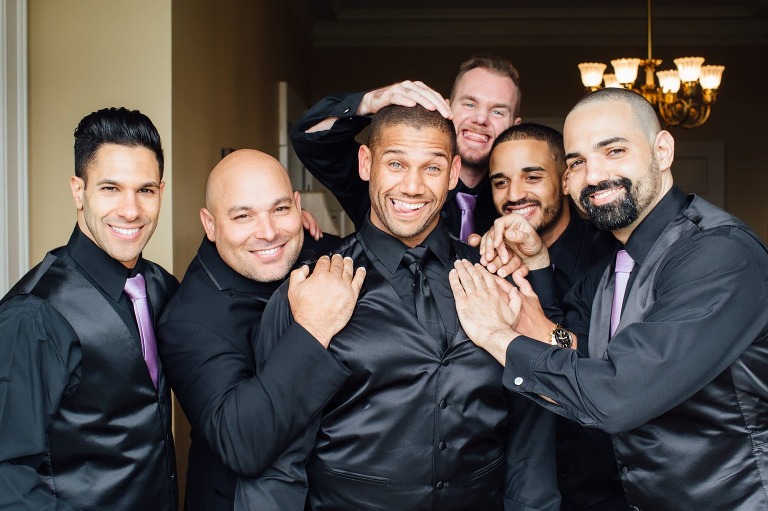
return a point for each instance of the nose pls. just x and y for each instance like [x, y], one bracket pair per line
[516, 191]
[480, 116]
[129, 206]
[265, 228]
[596, 172]
[412, 182]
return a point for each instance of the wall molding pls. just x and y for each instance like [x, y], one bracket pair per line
[14, 161]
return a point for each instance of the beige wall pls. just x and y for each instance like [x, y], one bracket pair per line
[83, 56]
[551, 85]
[227, 59]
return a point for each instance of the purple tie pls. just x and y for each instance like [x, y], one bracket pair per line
[466, 202]
[624, 264]
[136, 289]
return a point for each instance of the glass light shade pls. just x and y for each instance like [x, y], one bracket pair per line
[626, 69]
[591, 73]
[669, 80]
[711, 76]
[689, 68]
[610, 80]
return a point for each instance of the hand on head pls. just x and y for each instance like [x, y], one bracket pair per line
[324, 301]
[405, 93]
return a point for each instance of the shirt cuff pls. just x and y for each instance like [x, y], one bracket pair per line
[523, 353]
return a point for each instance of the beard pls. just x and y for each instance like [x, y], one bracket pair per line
[624, 211]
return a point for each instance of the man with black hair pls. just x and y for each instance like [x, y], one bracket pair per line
[423, 422]
[85, 416]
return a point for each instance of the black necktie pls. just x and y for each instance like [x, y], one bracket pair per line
[426, 306]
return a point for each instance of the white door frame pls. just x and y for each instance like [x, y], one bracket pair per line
[14, 163]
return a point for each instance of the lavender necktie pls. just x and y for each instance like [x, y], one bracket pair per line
[624, 264]
[136, 289]
[466, 202]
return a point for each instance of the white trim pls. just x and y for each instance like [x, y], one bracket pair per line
[14, 164]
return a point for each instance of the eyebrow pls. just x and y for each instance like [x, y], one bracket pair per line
[473, 98]
[440, 154]
[525, 170]
[276, 202]
[148, 184]
[599, 145]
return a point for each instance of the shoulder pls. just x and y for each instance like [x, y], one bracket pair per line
[159, 277]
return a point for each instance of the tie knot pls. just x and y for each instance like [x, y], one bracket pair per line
[466, 201]
[624, 262]
[415, 255]
[135, 287]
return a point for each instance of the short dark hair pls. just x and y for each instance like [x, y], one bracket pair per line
[533, 131]
[644, 115]
[415, 116]
[114, 126]
[494, 64]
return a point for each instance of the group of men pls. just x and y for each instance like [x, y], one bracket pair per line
[555, 363]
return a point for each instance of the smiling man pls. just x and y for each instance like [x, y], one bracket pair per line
[676, 328]
[485, 100]
[423, 423]
[242, 418]
[84, 406]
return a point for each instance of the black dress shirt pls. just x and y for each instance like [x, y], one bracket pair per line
[40, 365]
[386, 253]
[240, 420]
[672, 388]
[331, 157]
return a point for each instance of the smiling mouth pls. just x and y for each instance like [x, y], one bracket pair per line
[267, 251]
[525, 211]
[410, 206]
[604, 196]
[125, 232]
[476, 137]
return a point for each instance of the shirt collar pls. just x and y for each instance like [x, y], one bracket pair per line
[563, 252]
[225, 277]
[104, 271]
[389, 250]
[650, 229]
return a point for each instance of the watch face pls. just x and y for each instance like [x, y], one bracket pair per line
[562, 337]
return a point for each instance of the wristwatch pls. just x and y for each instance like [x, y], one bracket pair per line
[560, 337]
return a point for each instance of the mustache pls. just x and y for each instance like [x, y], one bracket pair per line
[604, 185]
[521, 202]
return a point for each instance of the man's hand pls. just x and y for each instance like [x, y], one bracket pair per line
[405, 93]
[510, 236]
[323, 302]
[483, 306]
[309, 222]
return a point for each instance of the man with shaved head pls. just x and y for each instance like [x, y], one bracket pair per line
[241, 418]
[675, 326]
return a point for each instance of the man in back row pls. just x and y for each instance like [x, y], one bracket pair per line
[485, 100]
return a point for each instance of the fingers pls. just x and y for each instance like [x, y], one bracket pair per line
[298, 275]
[456, 287]
[463, 269]
[405, 93]
[522, 284]
[503, 284]
[357, 281]
[474, 240]
[323, 264]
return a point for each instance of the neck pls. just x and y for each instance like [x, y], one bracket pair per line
[558, 227]
[471, 175]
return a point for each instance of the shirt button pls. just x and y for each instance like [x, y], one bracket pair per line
[173, 476]
[518, 381]
[624, 469]
[441, 445]
[439, 485]
[445, 362]
[443, 404]
[347, 110]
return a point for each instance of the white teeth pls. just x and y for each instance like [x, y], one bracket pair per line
[600, 195]
[523, 211]
[408, 205]
[125, 232]
[268, 251]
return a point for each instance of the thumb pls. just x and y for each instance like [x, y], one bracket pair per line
[298, 276]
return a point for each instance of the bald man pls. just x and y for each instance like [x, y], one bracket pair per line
[253, 238]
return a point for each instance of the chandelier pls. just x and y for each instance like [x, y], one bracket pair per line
[683, 97]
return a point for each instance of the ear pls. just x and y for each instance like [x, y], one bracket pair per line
[566, 186]
[364, 160]
[455, 171]
[77, 184]
[664, 147]
[209, 224]
[297, 200]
